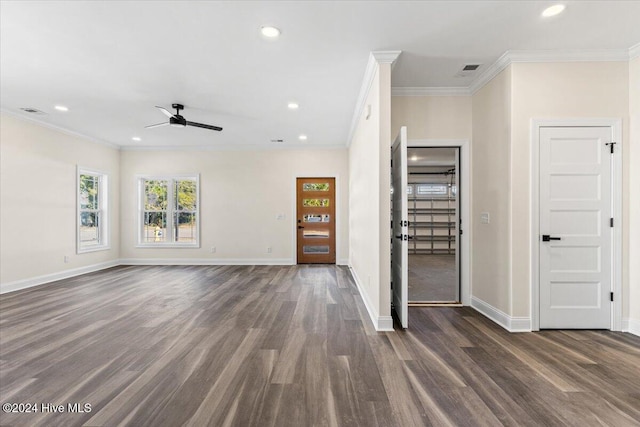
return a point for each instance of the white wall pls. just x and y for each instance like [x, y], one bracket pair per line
[559, 90]
[38, 199]
[432, 117]
[491, 193]
[633, 192]
[369, 201]
[241, 194]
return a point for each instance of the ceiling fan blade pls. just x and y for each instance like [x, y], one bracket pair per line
[156, 125]
[200, 125]
[165, 111]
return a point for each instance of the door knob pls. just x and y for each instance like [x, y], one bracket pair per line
[299, 227]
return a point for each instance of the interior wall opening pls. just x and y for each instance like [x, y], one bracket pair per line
[434, 223]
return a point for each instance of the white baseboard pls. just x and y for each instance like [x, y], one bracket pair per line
[343, 261]
[206, 261]
[511, 324]
[48, 278]
[631, 326]
[380, 323]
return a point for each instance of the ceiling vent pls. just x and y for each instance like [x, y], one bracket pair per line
[32, 110]
[277, 140]
[468, 70]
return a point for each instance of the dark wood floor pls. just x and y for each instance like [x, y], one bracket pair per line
[292, 346]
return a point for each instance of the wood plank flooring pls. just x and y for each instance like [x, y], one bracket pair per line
[291, 346]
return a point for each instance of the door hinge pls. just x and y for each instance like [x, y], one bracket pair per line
[611, 144]
[610, 222]
[611, 296]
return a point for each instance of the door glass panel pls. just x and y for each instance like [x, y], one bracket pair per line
[309, 249]
[315, 203]
[310, 186]
[317, 218]
[316, 233]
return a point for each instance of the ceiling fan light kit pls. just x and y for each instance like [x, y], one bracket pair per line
[177, 120]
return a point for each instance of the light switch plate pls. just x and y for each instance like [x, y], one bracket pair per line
[484, 218]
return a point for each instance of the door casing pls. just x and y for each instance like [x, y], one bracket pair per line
[616, 209]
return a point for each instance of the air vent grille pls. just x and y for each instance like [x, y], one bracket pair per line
[470, 67]
[277, 140]
[32, 110]
[468, 70]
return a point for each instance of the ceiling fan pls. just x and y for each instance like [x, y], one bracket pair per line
[178, 121]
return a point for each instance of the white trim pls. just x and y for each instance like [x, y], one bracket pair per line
[294, 213]
[380, 323]
[634, 51]
[59, 128]
[516, 56]
[631, 326]
[207, 261]
[511, 324]
[234, 147]
[465, 211]
[616, 198]
[17, 285]
[375, 58]
[430, 91]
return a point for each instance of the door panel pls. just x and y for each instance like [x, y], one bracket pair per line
[575, 207]
[315, 217]
[400, 245]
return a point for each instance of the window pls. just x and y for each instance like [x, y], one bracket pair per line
[433, 189]
[92, 214]
[169, 211]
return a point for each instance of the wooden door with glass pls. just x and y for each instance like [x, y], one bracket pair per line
[316, 219]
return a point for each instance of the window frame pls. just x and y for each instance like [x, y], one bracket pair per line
[170, 211]
[104, 225]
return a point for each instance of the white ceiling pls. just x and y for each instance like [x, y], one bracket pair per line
[111, 62]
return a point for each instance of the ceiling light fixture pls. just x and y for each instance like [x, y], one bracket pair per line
[61, 108]
[137, 138]
[414, 158]
[302, 137]
[270, 32]
[293, 106]
[554, 10]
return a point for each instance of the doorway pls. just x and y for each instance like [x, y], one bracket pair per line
[434, 225]
[316, 219]
[586, 155]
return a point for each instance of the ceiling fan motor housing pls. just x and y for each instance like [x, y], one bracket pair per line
[177, 121]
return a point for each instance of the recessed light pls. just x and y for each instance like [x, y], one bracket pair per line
[293, 105]
[61, 108]
[302, 137]
[270, 32]
[137, 138]
[553, 10]
[414, 158]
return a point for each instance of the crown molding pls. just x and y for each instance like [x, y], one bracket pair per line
[634, 51]
[430, 91]
[59, 129]
[530, 56]
[245, 147]
[375, 58]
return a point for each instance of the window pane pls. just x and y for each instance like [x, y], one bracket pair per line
[316, 233]
[185, 195]
[89, 229]
[308, 249]
[155, 195]
[317, 218]
[89, 187]
[316, 203]
[155, 227]
[433, 189]
[315, 186]
[184, 227]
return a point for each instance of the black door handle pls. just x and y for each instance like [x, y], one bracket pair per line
[548, 238]
[299, 227]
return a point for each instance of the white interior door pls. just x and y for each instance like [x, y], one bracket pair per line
[575, 210]
[400, 221]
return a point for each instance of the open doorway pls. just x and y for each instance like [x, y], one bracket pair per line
[434, 223]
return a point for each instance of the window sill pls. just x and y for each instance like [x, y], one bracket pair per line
[90, 249]
[167, 246]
